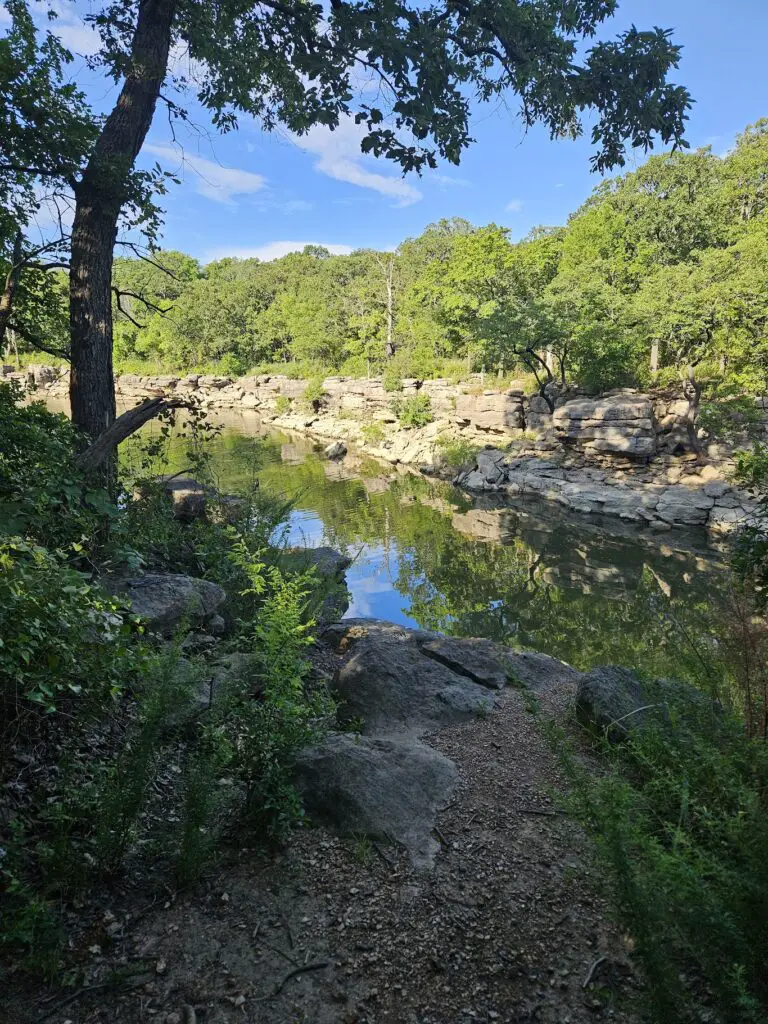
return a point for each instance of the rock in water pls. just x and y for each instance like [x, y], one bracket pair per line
[336, 450]
[165, 600]
[388, 788]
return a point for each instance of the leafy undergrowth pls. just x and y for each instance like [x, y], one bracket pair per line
[116, 764]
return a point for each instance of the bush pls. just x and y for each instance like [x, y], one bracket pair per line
[62, 639]
[372, 433]
[391, 379]
[267, 733]
[413, 412]
[282, 405]
[314, 393]
[43, 494]
[680, 821]
[455, 451]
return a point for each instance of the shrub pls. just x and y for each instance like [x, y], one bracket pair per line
[62, 639]
[391, 379]
[373, 433]
[314, 393]
[413, 412]
[267, 733]
[456, 451]
[282, 405]
[43, 494]
[682, 823]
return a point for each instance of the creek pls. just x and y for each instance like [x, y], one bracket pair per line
[585, 590]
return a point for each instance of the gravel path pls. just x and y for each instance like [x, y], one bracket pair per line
[505, 928]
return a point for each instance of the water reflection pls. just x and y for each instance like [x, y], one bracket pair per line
[583, 590]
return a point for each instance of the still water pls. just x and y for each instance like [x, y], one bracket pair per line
[425, 554]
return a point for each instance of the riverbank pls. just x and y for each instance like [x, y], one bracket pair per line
[622, 454]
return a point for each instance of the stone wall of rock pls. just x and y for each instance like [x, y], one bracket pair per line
[619, 454]
[668, 492]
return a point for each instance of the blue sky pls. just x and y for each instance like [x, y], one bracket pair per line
[251, 193]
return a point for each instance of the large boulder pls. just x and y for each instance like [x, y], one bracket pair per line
[391, 789]
[614, 702]
[389, 685]
[399, 680]
[165, 600]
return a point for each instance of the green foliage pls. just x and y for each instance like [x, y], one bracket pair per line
[43, 494]
[456, 451]
[282, 405]
[680, 822]
[63, 642]
[372, 433]
[415, 411]
[314, 393]
[391, 380]
[267, 733]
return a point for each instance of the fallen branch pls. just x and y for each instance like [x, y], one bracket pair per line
[125, 425]
[592, 968]
[319, 965]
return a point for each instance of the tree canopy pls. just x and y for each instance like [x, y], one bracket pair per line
[666, 264]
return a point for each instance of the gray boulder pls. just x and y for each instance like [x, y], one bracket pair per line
[187, 496]
[335, 450]
[614, 702]
[389, 684]
[165, 600]
[390, 789]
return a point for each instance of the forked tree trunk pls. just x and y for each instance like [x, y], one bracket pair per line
[99, 197]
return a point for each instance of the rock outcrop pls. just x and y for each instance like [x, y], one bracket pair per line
[165, 600]
[394, 685]
[659, 496]
[619, 454]
[614, 702]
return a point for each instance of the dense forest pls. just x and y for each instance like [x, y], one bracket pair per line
[663, 268]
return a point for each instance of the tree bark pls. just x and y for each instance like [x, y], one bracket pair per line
[99, 197]
[11, 284]
[692, 392]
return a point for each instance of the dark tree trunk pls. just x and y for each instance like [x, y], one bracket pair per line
[9, 290]
[99, 197]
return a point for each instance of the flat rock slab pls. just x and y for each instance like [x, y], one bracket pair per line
[399, 680]
[386, 788]
[165, 600]
[388, 685]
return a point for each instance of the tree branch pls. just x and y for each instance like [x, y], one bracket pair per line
[125, 425]
[37, 343]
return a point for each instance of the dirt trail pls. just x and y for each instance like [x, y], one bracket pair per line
[505, 928]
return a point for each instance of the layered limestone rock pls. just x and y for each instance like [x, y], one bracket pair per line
[613, 424]
[619, 454]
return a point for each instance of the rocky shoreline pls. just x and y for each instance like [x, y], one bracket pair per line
[622, 454]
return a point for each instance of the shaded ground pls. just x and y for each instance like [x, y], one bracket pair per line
[506, 927]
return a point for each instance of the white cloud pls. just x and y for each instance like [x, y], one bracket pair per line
[271, 251]
[560, 184]
[450, 181]
[514, 206]
[73, 31]
[339, 156]
[211, 180]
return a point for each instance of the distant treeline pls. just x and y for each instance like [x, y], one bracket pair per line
[663, 270]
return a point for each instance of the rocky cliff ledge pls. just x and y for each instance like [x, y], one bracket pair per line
[622, 453]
